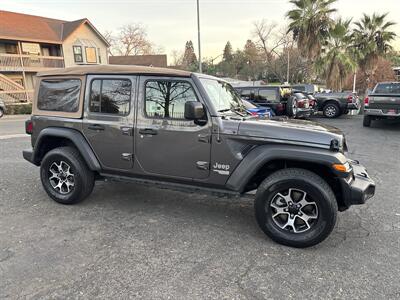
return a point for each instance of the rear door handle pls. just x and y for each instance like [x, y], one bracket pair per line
[148, 131]
[96, 127]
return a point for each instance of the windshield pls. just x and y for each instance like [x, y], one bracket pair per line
[222, 95]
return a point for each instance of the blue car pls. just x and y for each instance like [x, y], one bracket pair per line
[260, 111]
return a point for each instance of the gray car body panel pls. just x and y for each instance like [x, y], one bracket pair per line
[262, 155]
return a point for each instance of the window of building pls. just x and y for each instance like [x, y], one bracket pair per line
[91, 57]
[99, 55]
[110, 96]
[59, 95]
[78, 58]
[166, 99]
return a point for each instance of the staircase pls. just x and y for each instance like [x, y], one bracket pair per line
[10, 91]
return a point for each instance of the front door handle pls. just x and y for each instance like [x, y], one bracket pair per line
[148, 131]
[96, 127]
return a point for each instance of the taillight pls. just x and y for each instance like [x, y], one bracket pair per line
[366, 100]
[254, 113]
[280, 107]
[350, 99]
[29, 127]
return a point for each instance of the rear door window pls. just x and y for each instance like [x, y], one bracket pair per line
[110, 96]
[59, 95]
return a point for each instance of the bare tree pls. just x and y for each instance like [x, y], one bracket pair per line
[268, 38]
[108, 35]
[279, 52]
[131, 40]
[177, 58]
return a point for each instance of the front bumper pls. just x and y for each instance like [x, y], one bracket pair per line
[358, 187]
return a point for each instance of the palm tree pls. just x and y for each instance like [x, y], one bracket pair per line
[372, 40]
[337, 59]
[310, 22]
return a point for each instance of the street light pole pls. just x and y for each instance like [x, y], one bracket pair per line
[198, 35]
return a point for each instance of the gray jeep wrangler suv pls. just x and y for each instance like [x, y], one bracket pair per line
[189, 131]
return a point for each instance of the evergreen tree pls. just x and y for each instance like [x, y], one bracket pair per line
[228, 55]
[189, 57]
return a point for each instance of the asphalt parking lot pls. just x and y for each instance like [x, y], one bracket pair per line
[129, 240]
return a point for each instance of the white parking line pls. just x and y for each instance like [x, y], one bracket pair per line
[13, 136]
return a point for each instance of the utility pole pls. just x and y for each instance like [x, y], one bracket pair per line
[198, 35]
[288, 66]
[354, 81]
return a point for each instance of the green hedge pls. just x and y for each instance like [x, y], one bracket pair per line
[19, 108]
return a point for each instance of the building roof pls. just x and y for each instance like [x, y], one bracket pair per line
[114, 69]
[159, 60]
[16, 26]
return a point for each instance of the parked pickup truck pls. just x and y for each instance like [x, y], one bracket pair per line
[334, 105]
[382, 103]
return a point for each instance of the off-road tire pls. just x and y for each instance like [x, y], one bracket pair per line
[331, 110]
[367, 121]
[83, 176]
[312, 184]
[1, 112]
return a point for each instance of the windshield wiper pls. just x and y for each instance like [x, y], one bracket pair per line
[225, 110]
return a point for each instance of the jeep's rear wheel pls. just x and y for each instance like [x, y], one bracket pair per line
[65, 176]
[296, 207]
[1, 112]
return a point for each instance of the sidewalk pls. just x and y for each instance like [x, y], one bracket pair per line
[13, 125]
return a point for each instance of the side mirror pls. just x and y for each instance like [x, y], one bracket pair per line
[194, 110]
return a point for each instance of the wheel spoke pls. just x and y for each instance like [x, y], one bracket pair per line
[290, 222]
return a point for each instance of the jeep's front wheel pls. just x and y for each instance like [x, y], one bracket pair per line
[65, 176]
[296, 207]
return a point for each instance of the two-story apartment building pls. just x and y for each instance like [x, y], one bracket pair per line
[30, 44]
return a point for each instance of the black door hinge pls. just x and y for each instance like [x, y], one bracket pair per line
[127, 156]
[203, 165]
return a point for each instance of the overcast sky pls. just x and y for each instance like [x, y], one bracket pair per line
[170, 23]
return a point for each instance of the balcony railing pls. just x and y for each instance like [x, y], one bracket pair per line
[29, 63]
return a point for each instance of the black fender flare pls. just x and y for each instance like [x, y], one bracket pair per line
[261, 155]
[75, 137]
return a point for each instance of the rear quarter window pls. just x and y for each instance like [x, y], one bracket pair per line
[59, 95]
[387, 88]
